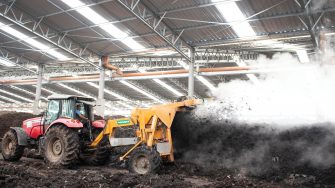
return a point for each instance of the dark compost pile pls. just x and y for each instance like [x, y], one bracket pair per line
[208, 154]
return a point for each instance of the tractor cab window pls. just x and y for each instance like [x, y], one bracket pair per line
[82, 109]
[53, 111]
[67, 108]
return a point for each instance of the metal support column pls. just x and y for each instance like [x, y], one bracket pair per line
[100, 110]
[191, 74]
[311, 23]
[36, 105]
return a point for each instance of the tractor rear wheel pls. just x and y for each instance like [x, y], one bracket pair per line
[11, 150]
[61, 147]
[144, 161]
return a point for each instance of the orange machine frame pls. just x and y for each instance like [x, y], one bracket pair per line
[154, 125]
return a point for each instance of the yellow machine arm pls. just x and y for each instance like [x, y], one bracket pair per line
[153, 127]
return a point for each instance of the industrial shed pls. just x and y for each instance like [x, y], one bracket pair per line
[129, 54]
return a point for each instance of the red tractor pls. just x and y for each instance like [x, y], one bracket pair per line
[59, 136]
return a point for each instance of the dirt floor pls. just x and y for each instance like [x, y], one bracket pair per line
[33, 173]
[207, 155]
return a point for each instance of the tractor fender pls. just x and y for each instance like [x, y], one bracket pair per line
[71, 123]
[22, 136]
[99, 124]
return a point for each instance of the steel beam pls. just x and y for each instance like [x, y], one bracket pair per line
[310, 23]
[96, 79]
[156, 24]
[61, 40]
[18, 61]
[44, 32]
[213, 24]
[168, 11]
[73, 9]
[273, 35]
[203, 58]
[259, 18]
[81, 22]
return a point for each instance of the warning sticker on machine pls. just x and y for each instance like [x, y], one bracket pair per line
[124, 121]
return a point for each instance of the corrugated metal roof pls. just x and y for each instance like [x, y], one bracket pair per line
[202, 23]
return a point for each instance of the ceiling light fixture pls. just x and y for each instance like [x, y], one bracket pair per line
[97, 19]
[74, 90]
[44, 89]
[32, 42]
[165, 85]
[108, 91]
[16, 96]
[141, 91]
[232, 13]
[206, 82]
[28, 92]
[10, 100]
[6, 62]
[125, 105]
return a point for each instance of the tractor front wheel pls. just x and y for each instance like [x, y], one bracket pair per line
[61, 147]
[11, 150]
[144, 161]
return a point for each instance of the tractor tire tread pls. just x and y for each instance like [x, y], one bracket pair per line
[71, 146]
[18, 151]
[153, 156]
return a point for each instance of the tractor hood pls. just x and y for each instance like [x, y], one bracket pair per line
[32, 121]
[33, 127]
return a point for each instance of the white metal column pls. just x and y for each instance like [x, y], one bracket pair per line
[191, 74]
[36, 109]
[100, 109]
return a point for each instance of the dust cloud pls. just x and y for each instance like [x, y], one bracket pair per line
[283, 123]
[291, 94]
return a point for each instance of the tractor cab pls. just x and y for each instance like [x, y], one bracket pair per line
[61, 111]
[65, 106]
[65, 110]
